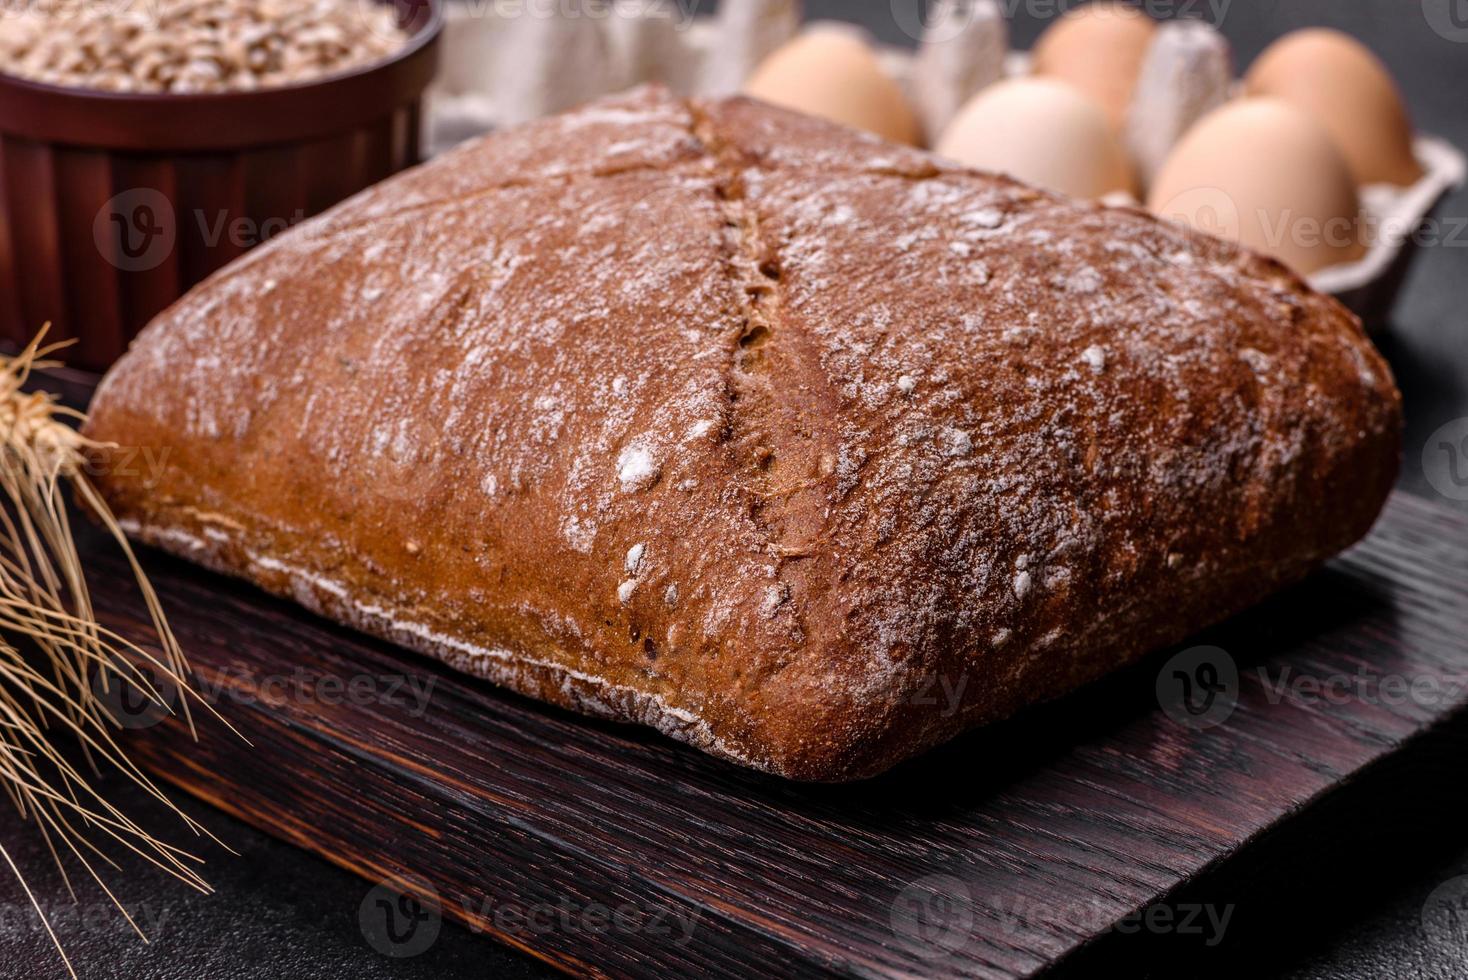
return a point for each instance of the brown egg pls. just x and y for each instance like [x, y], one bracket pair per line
[1336, 79]
[1262, 172]
[1099, 49]
[1043, 132]
[833, 73]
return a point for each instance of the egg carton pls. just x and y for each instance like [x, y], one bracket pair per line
[1402, 217]
[500, 71]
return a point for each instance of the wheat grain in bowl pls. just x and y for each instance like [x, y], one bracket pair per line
[193, 46]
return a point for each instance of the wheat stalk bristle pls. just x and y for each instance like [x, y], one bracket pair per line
[55, 656]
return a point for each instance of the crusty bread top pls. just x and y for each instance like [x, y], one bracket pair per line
[758, 423]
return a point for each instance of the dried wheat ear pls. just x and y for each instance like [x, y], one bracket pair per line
[57, 662]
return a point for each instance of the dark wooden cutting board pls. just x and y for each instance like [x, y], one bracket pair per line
[1002, 854]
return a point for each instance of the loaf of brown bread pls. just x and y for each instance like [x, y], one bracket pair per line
[728, 421]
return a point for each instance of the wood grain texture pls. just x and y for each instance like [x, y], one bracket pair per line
[1041, 832]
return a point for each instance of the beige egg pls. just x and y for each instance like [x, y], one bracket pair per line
[835, 74]
[1264, 173]
[1336, 79]
[1040, 131]
[1099, 49]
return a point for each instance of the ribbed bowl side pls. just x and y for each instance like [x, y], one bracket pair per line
[97, 243]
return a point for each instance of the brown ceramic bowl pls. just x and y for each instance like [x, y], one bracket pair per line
[113, 205]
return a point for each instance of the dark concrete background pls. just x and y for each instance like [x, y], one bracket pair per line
[280, 913]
